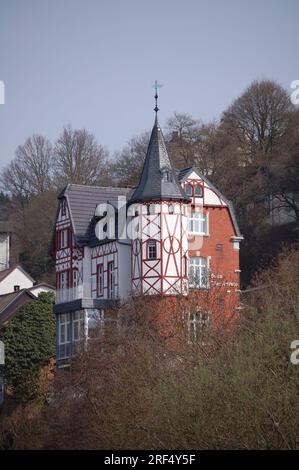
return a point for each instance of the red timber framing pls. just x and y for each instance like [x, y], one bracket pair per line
[68, 256]
[165, 274]
[102, 255]
[193, 182]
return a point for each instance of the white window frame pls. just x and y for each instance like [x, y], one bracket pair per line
[198, 223]
[198, 271]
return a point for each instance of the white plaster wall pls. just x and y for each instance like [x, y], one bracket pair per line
[15, 278]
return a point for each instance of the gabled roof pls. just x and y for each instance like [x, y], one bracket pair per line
[83, 200]
[5, 272]
[183, 175]
[153, 183]
[12, 302]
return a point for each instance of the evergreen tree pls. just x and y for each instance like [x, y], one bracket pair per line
[29, 340]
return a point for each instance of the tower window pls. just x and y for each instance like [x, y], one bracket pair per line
[189, 190]
[152, 249]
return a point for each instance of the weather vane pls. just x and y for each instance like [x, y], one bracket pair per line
[156, 86]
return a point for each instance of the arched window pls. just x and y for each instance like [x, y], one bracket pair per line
[198, 190]
[152, 249]
[189, 190]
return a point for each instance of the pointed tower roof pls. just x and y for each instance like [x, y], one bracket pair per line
[158, 179]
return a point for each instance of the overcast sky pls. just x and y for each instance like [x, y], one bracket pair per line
[92, 63]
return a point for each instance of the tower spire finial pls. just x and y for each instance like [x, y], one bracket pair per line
[156, 86]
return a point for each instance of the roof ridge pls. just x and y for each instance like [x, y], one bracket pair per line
[98, 187]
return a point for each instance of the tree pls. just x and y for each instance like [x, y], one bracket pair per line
[127, 167]
[183, 138]
[30, 172]
[29, 340]
[33, 227]
[79, 159]
[258, 120]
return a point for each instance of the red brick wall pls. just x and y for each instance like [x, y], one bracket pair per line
[223, 262]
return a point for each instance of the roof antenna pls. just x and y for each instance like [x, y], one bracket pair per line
[156, 86]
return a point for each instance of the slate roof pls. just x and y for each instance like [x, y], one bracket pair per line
[12, 302]
[83, 200]
[152, 185]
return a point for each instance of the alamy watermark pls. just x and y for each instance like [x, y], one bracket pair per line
[295, 93]
[2, 92]
[142, 221]
[295, 354]
[2, 355]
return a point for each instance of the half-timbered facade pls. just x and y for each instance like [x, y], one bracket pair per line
[174, 232]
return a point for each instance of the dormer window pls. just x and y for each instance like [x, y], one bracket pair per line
[166, 175]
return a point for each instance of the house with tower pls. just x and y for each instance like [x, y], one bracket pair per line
[173, 233]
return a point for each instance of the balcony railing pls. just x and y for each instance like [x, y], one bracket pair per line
[72, 293]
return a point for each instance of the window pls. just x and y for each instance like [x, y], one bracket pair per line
[63, 238]
[78, 326]
[198, 223]
[189, 190]
[110, 279]
[100, 280]
[198, 272]
[166, 175]
[75, 278]
[196, 323]
[63, 280]
[65, 328]
[152, 249]
[198, 190]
